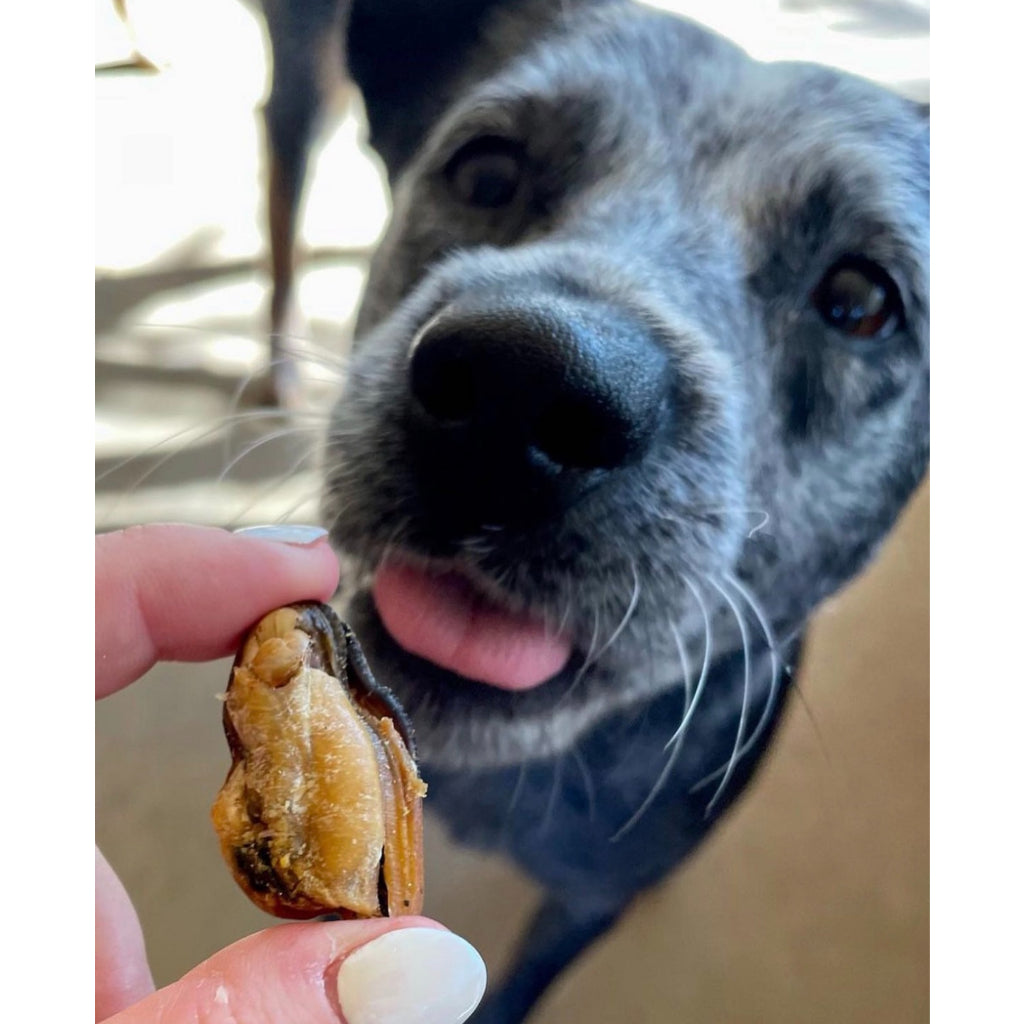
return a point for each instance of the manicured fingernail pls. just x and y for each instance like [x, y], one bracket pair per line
[284, 533]
[411, 976]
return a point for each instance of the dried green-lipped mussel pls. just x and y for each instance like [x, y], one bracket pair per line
[321, 811]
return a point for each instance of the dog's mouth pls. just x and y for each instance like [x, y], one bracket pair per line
[442, 616]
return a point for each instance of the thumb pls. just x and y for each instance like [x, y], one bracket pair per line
[390, 971]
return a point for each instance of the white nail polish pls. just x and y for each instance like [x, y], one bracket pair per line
[284, 533]
[411, 976]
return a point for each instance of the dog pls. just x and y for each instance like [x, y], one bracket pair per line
[639, 379]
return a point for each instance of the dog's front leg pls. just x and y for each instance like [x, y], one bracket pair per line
[556, 935]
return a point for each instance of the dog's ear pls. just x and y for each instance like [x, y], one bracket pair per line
[411, 58]
[408, 57]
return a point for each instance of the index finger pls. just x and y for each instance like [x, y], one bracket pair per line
[187, 593]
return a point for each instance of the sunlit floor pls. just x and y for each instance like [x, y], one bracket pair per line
[809, 905]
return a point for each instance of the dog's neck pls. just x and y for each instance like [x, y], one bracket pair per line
[598, 795]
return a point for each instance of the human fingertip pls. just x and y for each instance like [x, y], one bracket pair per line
[297, 534]
[416, 975]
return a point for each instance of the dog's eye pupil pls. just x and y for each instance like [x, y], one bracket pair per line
[486, 172]
[858, 298]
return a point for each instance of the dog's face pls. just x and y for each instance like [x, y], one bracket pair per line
[647, 336]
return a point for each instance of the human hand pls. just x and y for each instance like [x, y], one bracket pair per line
[188, 594]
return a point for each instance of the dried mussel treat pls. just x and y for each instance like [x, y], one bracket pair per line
[322, 809]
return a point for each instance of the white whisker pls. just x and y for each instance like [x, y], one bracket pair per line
[187, 438]
[705, 667]
[762, 621]
[279, 482]
[684, 661]
[761, 525]
[516, 791]
[676, 740]
[745, 704]
[564, 621]
[588, 781]
[773, 688]
[587, 661]
[696, 511]
[202, 431]
[264, 439]
[296, 505]
[634, 600]
[293, 344]
[556, 786]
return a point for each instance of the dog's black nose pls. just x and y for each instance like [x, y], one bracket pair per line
[518, 406]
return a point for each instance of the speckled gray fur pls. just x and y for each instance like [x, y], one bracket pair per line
[707, 193]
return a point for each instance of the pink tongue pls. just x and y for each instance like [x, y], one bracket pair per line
[442, 619]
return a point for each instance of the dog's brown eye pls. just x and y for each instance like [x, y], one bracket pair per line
[486, 172]
[859, 298]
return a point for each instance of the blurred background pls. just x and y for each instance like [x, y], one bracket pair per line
[810, 903]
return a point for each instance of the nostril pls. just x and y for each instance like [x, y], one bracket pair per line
[443, 380]
[582, 435]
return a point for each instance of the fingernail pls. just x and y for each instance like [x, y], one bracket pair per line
[284, 533]
[411, 976]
